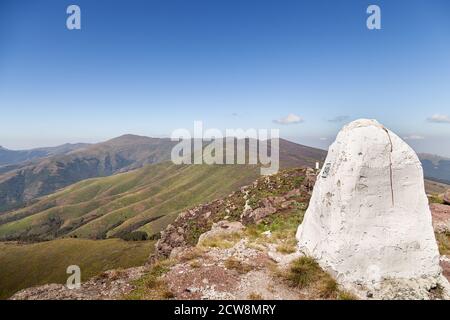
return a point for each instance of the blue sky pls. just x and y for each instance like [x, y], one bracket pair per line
[149, 67]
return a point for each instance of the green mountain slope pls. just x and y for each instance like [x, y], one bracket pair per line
[21, 184]
[146, 199]
[47, 262]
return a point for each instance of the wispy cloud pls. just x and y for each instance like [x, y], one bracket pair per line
[323, 138]
[414, 137]
[439, 118]
[289, 119]
[339, 119]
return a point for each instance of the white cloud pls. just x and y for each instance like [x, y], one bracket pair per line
[323, 138]
[439, 118]
[414, 137]
[289, 119]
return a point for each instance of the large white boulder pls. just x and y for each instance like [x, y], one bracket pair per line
[368, 222]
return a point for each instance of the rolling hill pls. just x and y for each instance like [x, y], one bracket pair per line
[31, 180]
[20, 185]
[144, 200]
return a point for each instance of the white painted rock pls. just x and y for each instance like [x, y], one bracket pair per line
[368, 221]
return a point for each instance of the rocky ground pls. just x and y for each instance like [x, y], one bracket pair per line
[239, 247]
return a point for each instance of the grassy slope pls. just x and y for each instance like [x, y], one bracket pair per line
[432, 187]
[23, 266]
[145, 199]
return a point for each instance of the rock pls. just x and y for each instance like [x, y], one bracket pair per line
[222, 228]
[267, 233]
[441, 217]
[447, 197]
[368, 219]
[255, 216]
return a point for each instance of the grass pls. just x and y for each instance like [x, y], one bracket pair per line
[282, 227]
[435, 199]
[305, 273]
[146, 199]
[151, 286]
[288, 247]
[223, 241]
[255, 296]
[27, 265]
[234, 264]
[443, 240]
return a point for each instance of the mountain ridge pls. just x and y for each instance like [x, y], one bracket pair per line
[21, 184]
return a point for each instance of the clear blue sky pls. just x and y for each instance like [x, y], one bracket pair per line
[149, 67]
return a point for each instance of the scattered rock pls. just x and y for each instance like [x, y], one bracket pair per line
[222, 228]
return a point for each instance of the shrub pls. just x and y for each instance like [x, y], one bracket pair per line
[135, 236]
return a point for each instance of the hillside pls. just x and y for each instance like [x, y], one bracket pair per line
[46, 262]
[13, 157]
[240, 246]
[19, 185]
[32, 180]
[145, 199]
[435, 167]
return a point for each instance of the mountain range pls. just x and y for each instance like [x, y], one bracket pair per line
[435, 167]
[123, 187]
[22, 182]
[120, 201]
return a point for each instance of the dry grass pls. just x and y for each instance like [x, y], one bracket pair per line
[191, 254]
[305, 273]
[287, 247]
[435, 198]
[152, 286]
[195, 264]
[255, 296]
[224, 241]
[443, 240]
[234, 264]
[345, 295]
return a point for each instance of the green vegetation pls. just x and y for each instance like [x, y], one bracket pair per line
[27, 265]
[151, 286]
[443, 240]
[305, 272]
[144, 200]
[435, 199]
[282, 227]
[222, 241]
